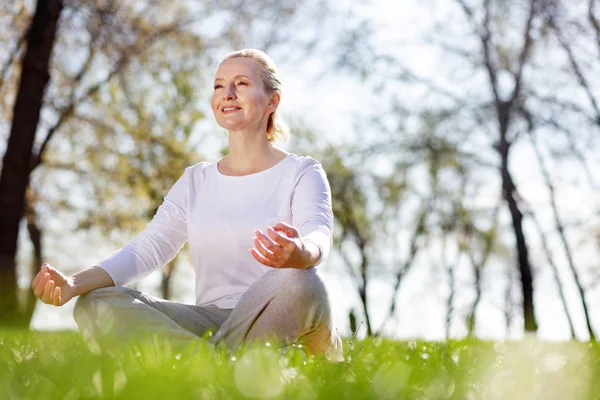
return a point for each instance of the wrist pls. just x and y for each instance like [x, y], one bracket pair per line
[75, 284]
[313, 254]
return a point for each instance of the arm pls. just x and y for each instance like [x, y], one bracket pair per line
[305, 243]
[157, 244]
[53, 287]
[90, 279]
[312, 212]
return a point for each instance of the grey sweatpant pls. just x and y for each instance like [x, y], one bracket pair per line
[289, 305]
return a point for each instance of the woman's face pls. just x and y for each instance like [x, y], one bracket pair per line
[239, 100]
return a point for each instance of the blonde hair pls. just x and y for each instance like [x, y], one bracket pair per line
[276, 127]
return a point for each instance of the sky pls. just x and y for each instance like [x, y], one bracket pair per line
[333, 103]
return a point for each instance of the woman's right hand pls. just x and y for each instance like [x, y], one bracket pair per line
[52, 286]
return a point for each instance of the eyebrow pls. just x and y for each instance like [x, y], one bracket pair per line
[235, 77]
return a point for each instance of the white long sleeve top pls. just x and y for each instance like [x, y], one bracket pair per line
[217, 214]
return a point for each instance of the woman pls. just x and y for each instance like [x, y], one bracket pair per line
[257, 221]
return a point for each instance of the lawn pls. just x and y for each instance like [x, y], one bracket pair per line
[59, 365]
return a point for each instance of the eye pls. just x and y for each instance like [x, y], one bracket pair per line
[218, 86]
[243, 83]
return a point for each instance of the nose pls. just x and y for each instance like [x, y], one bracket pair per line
[230, 93]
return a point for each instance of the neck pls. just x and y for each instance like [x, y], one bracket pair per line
[250, 152]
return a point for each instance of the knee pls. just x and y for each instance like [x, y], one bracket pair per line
[301, 285]
[92, 306]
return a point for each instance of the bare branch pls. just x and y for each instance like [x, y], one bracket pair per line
[95, 35]
[468, 11]
[484, 34]
[595, 23]
[478, 266]
[347, 263]
[17, 21]
[527, 44]
[127, 54]
[569, 135]
[11, 58]
[451, 47]
[560, 227]
[451, 271]
[95, 122]
[408, 263]
[69, 167]
[555, 273]
[577, 70]
[565, 106]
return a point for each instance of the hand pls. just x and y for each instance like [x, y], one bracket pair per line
[52, 286]
[282, 247]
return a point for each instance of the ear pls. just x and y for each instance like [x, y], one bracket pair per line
[274, 100]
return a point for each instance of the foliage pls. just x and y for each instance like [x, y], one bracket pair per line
[59, 365]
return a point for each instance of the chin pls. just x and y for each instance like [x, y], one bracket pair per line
[232, 127]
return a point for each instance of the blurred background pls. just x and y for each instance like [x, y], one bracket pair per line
[460, 138]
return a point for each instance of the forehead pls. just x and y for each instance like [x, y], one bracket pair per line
[238, 66]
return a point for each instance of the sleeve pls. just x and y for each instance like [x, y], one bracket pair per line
[311, 207]
[157, 244]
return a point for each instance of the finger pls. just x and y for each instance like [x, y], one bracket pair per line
[41, 285]
[51, 270]
[47, 298]
[268, 243]
[261, 259]
[36, 279]
[39, 275]
[263, 251]
[280, 239]
[57, 297]
[289, 230]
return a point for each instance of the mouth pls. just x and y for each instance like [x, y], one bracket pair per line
[230, 109]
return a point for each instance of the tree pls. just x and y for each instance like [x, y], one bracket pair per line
[514, 106]
[478, 243]
[370, 226]
[31, 156]
[349, 208]
[504, 71]
[16, 165]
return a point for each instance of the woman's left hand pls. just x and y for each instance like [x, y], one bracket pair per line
[282, 247]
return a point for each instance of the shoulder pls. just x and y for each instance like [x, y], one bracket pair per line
[302, 164]
[306, 169]
[194, 175]
[199, 170]
[199, 167]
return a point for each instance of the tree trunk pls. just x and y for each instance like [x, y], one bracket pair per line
[510, 195]
[508, 304]
[14, 178]
[450, 299]
[35, 235]
[165, 284]
[362, 291]
[473, 312]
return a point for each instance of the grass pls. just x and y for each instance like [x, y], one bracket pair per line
[59, 365]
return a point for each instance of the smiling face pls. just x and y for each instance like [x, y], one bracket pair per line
[239, 100]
